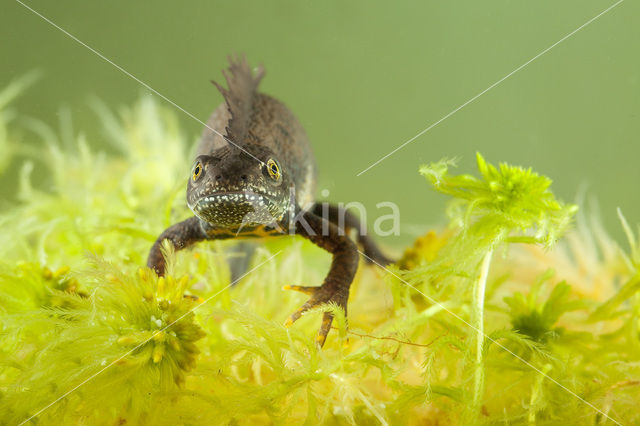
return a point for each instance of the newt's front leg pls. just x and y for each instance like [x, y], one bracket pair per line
[335, 287]
[182, 235]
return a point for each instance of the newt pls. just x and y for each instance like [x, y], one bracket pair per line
[254, 175]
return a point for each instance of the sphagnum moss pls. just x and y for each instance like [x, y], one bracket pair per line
[570, 311]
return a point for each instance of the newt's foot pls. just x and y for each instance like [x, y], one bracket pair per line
[319, 295]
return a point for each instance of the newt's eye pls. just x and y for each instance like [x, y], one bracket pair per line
[197, 171]
[273, 169]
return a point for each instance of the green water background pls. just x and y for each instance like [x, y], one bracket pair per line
[364, 77]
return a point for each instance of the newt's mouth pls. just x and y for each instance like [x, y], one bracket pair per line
[237, 208]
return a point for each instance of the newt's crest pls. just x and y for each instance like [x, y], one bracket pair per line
[239, 96]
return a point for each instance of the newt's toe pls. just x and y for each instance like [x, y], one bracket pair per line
[327, 319]
[302, 289]
[320, 339]
[295, 316]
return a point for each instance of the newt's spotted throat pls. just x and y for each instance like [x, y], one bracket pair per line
[257, 185]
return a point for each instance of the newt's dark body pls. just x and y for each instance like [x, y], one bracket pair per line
[255, 181]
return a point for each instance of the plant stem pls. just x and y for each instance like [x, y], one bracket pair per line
[536, 394]
[477, 321]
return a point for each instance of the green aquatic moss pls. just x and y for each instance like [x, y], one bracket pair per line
[505, 204]
[90, 336]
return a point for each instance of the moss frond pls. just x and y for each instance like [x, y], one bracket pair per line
[504, 199]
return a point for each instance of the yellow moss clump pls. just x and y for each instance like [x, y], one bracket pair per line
[424, 250]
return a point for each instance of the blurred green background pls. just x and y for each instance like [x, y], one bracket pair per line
[364, 77]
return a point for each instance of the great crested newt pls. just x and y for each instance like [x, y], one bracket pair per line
[254, 175]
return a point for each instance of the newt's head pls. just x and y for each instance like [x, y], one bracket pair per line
[231, 188]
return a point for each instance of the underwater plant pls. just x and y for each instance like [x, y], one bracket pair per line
[511, 314]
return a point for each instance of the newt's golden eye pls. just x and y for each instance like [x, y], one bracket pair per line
[197, 171]
[273, 169]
